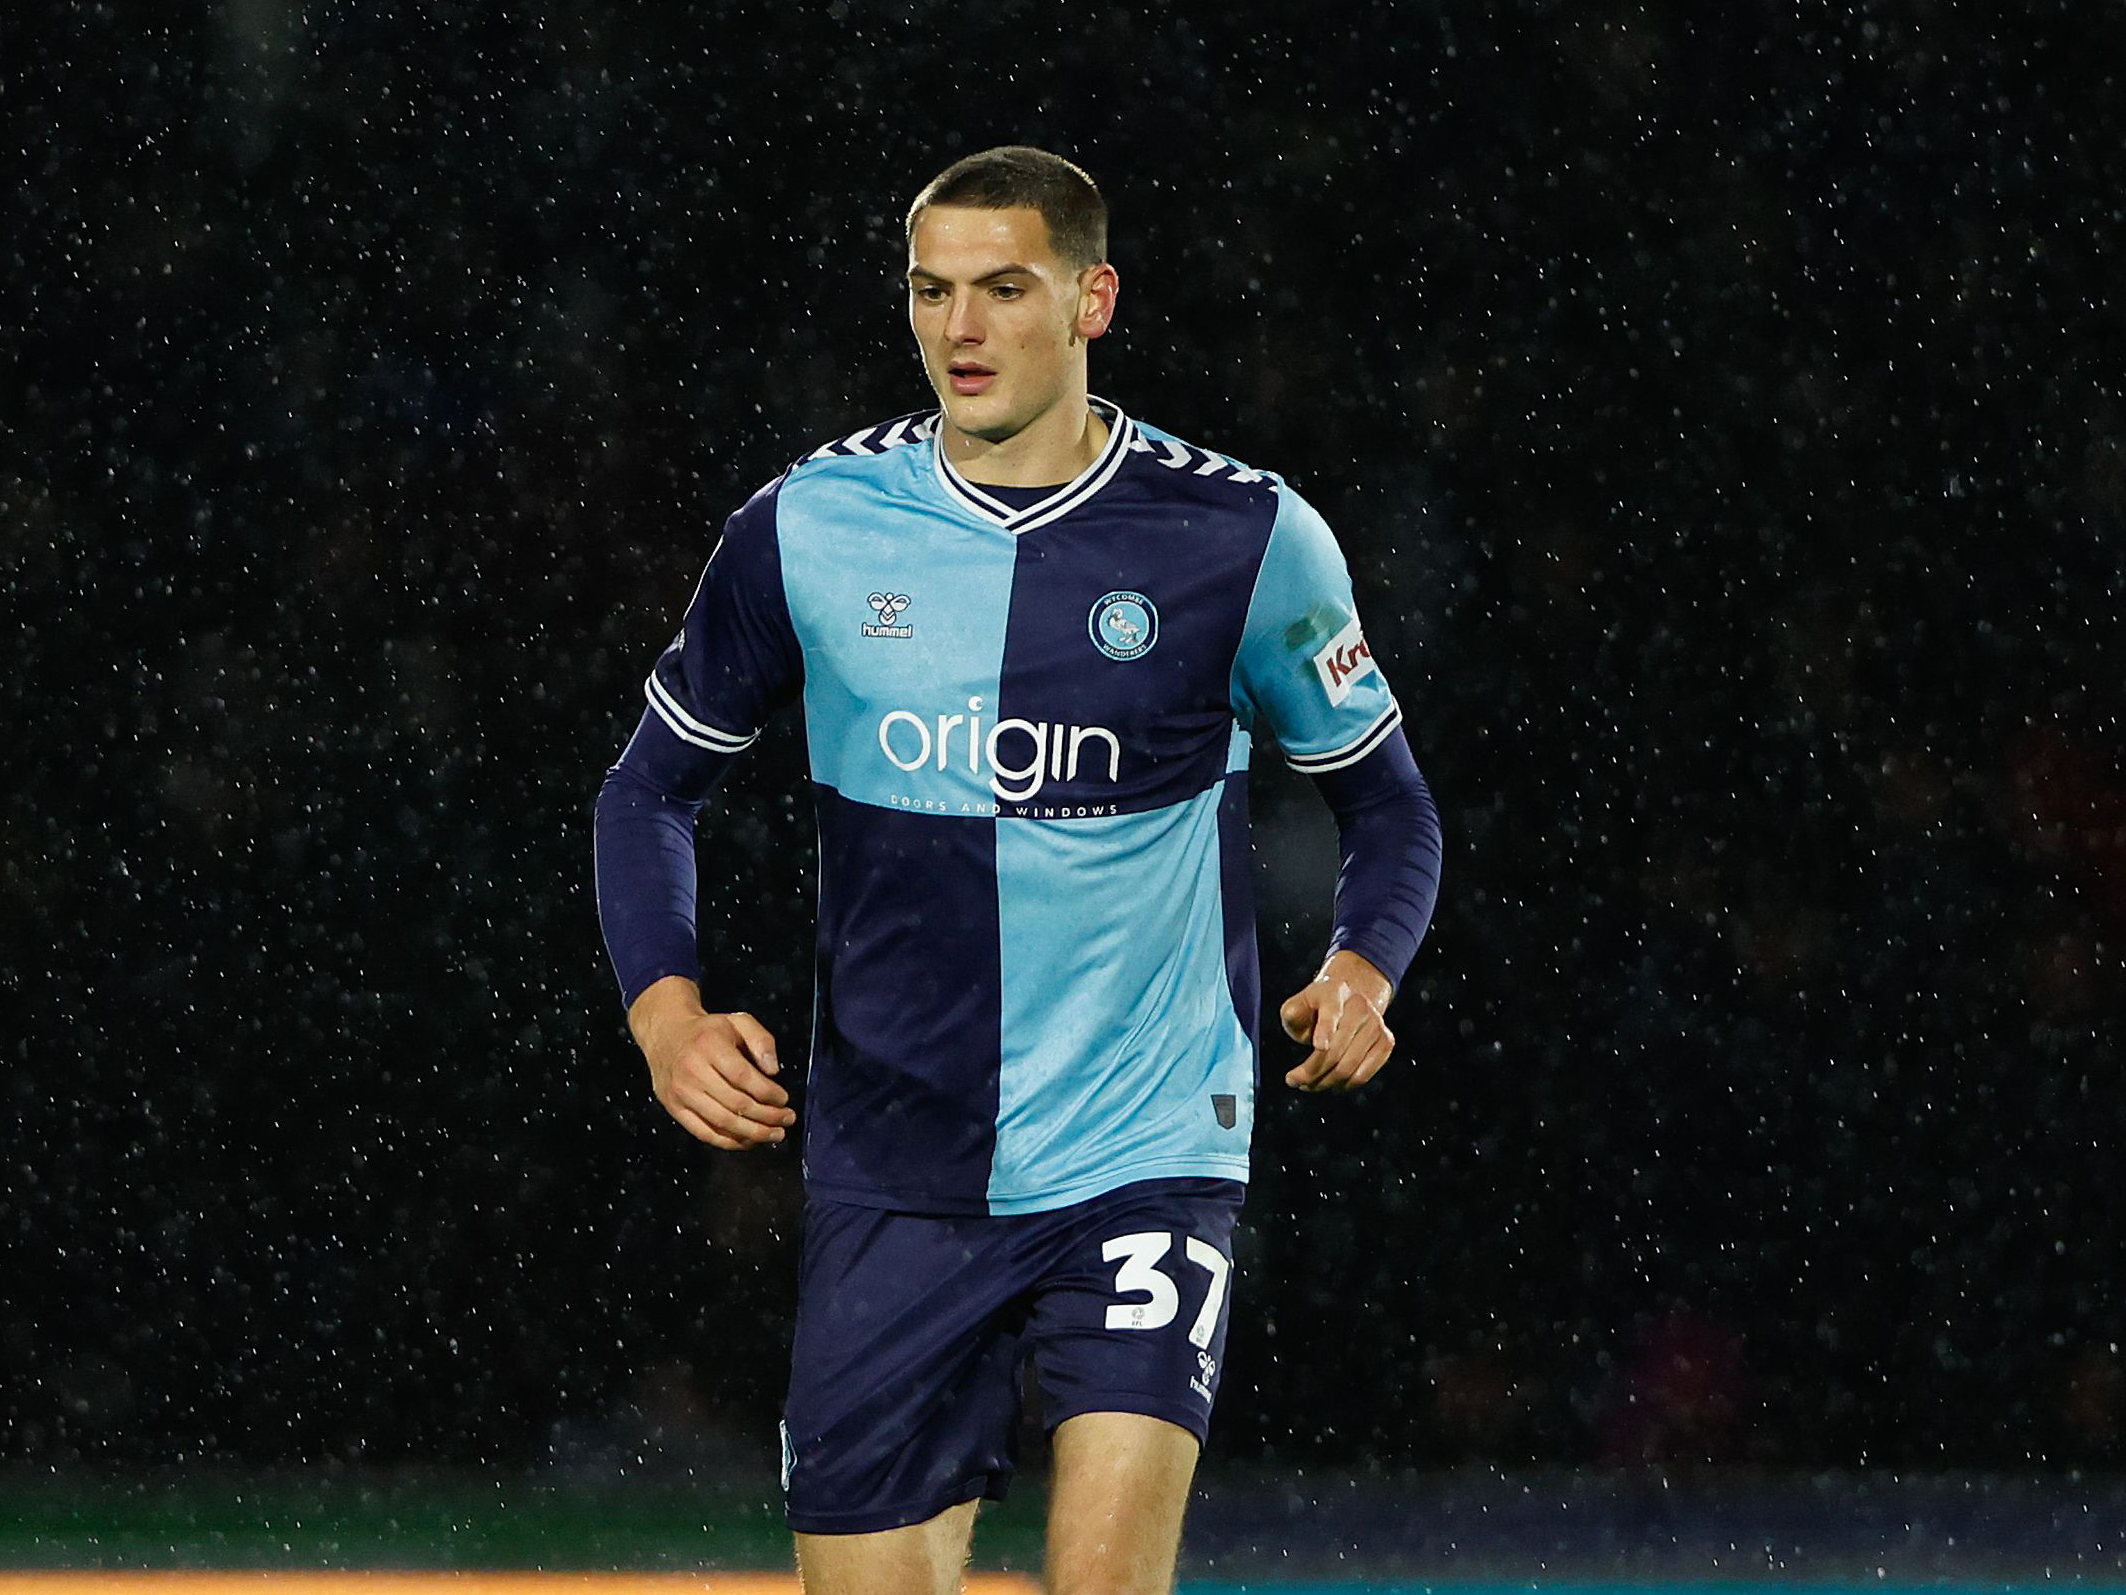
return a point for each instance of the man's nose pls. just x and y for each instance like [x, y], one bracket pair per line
[963, 321]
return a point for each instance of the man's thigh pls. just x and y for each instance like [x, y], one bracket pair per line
[920, 1559]
[1129, 1332]
[1114, 1515]
[903, 1400]
[1133, 1303]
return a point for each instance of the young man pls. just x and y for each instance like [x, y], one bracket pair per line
[1035, 640]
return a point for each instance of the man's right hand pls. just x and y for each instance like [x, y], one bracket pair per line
[712, 1071]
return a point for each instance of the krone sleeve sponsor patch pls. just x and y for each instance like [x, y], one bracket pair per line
[1344, 661]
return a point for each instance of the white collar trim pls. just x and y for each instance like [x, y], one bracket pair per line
[1088, 482]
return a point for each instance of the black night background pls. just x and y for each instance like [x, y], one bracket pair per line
[1720, 409]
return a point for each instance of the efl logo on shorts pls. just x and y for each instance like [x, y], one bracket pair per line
[1344, 661]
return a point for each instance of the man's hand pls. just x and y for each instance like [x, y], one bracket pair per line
[1338, 1014]
[712, 1071]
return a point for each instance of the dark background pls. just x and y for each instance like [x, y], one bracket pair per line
[1720, 408]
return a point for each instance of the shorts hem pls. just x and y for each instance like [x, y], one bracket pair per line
[1191, 1416]
[983, 1487]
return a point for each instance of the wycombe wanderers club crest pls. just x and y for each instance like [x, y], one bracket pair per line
[1124, 625]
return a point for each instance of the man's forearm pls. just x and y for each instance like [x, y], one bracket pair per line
[645, 868]
[1388, 833]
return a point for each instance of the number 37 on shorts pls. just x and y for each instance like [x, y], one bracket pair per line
[1140, 1274]
[1130, 1312]
[1149, 1298]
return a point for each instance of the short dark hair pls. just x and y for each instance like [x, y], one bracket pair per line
[1015, 175]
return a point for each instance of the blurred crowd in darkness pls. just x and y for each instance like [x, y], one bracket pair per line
[1719, 407]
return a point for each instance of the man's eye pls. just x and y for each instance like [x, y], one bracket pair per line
[1005, 290]
[930, 296]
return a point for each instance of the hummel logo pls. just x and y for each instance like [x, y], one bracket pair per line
[1206, 1371]
[888, 607]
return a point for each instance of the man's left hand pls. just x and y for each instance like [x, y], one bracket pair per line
[1338, 1013]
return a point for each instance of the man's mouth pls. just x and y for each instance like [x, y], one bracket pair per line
[969, 376]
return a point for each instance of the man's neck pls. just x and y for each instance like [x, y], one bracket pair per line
[1055, 448]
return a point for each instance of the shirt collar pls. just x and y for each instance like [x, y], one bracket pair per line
[1079, 490]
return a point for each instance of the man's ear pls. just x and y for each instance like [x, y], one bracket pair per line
[1098, 287]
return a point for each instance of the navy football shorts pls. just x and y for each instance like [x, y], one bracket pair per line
[912, 1330]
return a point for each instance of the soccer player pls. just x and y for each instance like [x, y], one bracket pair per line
[1035, 639]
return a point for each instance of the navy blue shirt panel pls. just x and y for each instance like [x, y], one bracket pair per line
[902, 1094]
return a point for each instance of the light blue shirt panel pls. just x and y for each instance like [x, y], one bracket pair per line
[1118, 1019]
[851, 529]
[1300, 668]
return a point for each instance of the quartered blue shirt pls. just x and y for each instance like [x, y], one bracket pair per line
[1029, 729]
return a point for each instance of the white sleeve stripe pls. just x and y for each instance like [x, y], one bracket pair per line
[686, 727]
[1351, 752]
[658, 690]
[684, 735]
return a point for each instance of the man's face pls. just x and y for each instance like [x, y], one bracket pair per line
[1001, 321]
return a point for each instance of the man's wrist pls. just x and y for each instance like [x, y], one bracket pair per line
[1360, 974]
[675, 997]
